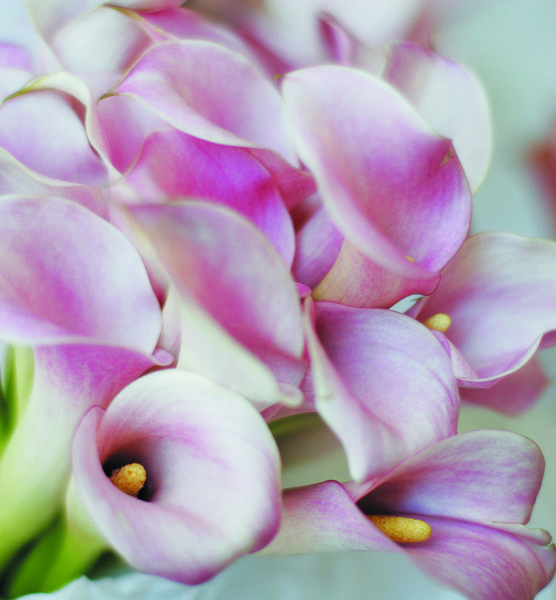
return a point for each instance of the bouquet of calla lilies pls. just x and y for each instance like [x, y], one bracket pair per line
[226, 224]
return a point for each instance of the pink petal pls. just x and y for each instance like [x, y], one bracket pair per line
[482, 563]
[450, 99]
[384, 386]
[479, 476]
[43, 132]
[69, 276]
[512, 395]
[210, 92]
[226, 174]
[213, 490]
[231, 306]
[323, 518]
[17, 178]
[392, 187]
[499, 292]
[68, 380]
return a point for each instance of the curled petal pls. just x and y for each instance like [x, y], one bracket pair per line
[499, 292]
[451, 100]
[318, 244]
[482, 562]
[16, 178]
[69, 276]
[212, 483]
[50, 16]
[226, 174]
[103, 40]
[481, 476]
[383, 386]
[512, 395]
[210, 92]
[231, 307]
[182, 24]
[323, 518]
[373, 22]
[68, 380]
[392, 187]
[43, 132]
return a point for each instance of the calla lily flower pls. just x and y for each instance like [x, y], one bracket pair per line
[450, 99]
[236, 105]
[382, 385]
[175, 24]
[51, 16]
[499, 293]
[16, 178]
[394, 189]
[458, 510]
[75, 289]
[291, 28]
[42, 131]
[226, 174]
[230, 306]
[212, 490]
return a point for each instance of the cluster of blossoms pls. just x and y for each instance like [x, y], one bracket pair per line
[207, 216]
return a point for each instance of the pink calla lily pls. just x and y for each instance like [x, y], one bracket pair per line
[394, 189]
[450, 99]
[225, 174]
[475, 491]
[236, 105]
[210, 92]
[381, 384]
[76, 290]
[230, 305]
[212, 491]
[498, 292]
[43, 132]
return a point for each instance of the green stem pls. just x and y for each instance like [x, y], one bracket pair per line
[61, 554]
[18, 381]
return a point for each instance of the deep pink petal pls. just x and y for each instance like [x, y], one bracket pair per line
[226, 174]
[318, 244]
[213, 483]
